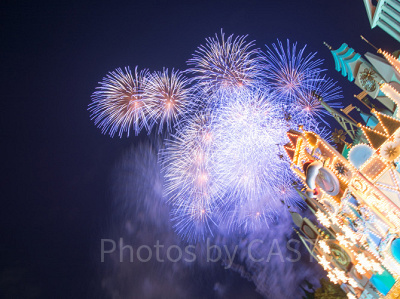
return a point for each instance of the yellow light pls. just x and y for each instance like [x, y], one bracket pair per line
[325, 248]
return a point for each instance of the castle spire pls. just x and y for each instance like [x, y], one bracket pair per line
[346, 123]
[328, 46]
[390, 124]
[389, 57]
[364, 39]
[375, 138]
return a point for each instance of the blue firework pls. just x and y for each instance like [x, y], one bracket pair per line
[245, 155]
[307, 104]
[288, 70]
[193, 220]
[222, 162]
[190, 184]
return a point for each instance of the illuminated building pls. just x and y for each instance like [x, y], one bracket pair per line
[357, 201]
[377, 76]
[355, 192]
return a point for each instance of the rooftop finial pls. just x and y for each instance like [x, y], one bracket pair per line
[328, 46]
[363, 38]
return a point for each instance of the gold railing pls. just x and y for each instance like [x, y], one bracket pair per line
[394, 292]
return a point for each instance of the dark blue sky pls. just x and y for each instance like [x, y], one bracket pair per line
[56, 172]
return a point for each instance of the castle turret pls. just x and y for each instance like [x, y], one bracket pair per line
[370, 74]
[386, 15]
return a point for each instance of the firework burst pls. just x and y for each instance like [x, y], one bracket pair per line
[222, 162]
[288, 70]
[307, 104]
[245, 156]
[168, 97]
[191, 186]
[119, 105]
[225, 63]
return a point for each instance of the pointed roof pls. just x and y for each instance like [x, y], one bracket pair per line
[293, 136]
[289, 150]
[391, 59]
[345, 61]
[390, 124]
[369, 119]
[379, 128]
[375, 138]
[385, 69]
[290, 147]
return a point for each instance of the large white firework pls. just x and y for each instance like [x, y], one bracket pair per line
[223, 162]
[191, 184]
[249, 131]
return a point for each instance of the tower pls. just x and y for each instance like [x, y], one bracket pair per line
[349, 125]
[386, 15]
[369, 74]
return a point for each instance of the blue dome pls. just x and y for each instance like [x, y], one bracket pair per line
[359, 154]
[395, 248]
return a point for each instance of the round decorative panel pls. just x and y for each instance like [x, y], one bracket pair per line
[340, 256]
[367, 79]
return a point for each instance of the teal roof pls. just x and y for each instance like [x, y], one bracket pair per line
[353, 201]
[350, 76]
[335, 57]
[370, 120]
[383, 282]
[343, 57]
[355, 212]
[372, 238]
[345, 151]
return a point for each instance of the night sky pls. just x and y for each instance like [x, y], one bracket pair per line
[57, 166]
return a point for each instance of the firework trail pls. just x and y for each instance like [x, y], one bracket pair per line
[141, 217]
[275, 257]
[118, 105]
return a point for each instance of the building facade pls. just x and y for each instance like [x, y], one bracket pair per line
[355, 192]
